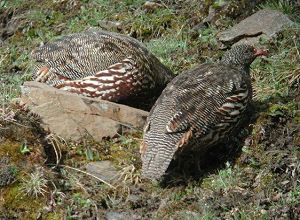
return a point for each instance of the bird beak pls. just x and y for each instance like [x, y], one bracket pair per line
[260, 52]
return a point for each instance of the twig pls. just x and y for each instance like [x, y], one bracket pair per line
[89, 174]
[54, 142]
[294, 40]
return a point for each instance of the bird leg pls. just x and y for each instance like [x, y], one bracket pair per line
[43, 74]
[185, 138]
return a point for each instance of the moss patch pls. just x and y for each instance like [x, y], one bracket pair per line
[254, 178]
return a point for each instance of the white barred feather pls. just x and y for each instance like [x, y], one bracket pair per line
[198, 109]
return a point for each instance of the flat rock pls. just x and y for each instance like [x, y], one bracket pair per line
[150, 5]
[111, 215]
[264, 22]
[7, 171]
[104, 170]
[252, 40]
[72, 116]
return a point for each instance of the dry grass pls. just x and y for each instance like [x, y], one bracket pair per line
[262, 182]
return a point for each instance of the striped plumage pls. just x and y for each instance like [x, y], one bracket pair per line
[102, 64]
[198, 109]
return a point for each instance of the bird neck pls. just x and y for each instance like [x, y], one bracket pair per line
[231, 62]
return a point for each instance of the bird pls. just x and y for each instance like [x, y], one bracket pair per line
[101, 64]
[198, 109]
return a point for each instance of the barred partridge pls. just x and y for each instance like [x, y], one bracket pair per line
[102, 64]
[198, 109]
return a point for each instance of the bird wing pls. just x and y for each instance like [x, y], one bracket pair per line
[115, 83]
[209, 103]
[79, 55]
[195, 106]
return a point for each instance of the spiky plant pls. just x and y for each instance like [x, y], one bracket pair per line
[284, 6]
[34, 184]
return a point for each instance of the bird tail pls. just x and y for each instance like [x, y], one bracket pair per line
[156, 160]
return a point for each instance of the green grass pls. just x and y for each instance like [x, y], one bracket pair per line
[180, 52]
[166, 33]
[152, 25]
[225, 179]
[276, 75]
[34, 184]
[44, 22]
[10, 3]
[166, 48]
[208, 36]
[188, 215]
[284, 6]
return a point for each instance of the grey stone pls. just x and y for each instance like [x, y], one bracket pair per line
[111, 215]
[110, 25]
[266, 23]
[252, 40]
[72, 116]
[7, 171]
[150, 6]
[104, 170]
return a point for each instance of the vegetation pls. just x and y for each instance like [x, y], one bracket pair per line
[286, 7]
[257, 176]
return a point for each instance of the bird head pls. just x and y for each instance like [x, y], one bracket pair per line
[242, 55]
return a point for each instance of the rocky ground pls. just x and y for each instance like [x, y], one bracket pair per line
[255, 176]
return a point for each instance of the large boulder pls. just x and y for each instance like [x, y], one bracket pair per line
[264, 23]
[72, 116]
[104, 170]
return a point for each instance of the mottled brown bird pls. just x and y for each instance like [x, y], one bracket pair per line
[198, 109]
[102, 64]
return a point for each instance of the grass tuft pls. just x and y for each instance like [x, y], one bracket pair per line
[166, 49]
[285, 6]
[35, 184]
[225, 179]
[279, 73]
[261, 184]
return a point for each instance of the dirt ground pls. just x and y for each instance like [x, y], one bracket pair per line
[254, 176]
